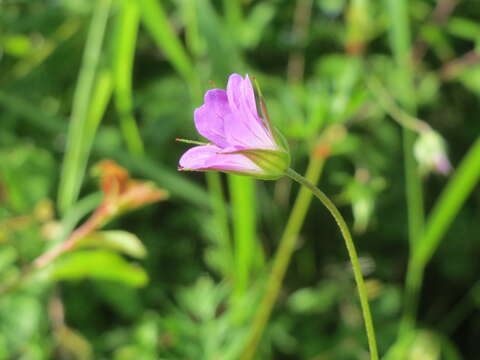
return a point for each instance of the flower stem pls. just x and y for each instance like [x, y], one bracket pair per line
[402, 50]
[282, 258]
[362, 293]
[287, 245]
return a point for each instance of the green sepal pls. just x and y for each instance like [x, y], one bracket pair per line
[272, 162]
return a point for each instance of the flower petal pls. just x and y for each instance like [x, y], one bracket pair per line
[234, 91]
[207, 157]
[240, 94]
[245, 122]
[241, 97]
[240, 134]
[210, 117]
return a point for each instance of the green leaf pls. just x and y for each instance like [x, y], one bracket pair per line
[126, 29]
[99, 264]
[84, 120]
[116, 240]
[449, 204]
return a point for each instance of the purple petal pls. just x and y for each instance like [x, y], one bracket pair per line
[240, 94]
[245, 125]
[240, 134]
[234, 91]
[207, 157]
[210, 117]
[241, 97]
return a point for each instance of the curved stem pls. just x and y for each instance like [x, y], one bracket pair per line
[282, 258]
[285, 250]
[352, 252]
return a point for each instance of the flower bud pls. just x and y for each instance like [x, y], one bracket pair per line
[431, 155]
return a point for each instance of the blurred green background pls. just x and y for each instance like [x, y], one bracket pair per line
[373, 96]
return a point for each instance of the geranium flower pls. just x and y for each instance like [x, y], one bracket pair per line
[242, 142]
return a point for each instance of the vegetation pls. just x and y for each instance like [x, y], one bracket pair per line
[108, 252]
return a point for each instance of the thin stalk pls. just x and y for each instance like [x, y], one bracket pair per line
[282, 258]
[352, 252]
[401, 47]
[413, 284]
[73, 166]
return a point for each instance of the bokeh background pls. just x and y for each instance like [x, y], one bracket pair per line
[376, 99]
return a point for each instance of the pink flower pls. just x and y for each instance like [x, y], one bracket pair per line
[242, 142]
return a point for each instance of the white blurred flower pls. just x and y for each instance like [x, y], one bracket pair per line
[430, 152]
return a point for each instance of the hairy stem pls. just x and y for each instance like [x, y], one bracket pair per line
[352, 253]
[282, 259]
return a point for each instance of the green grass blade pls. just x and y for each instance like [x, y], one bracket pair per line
[100, 99]
[448, 205]
[401, 48]
[73, 169]
[125, 40]
[443, 213]
[156, 22]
